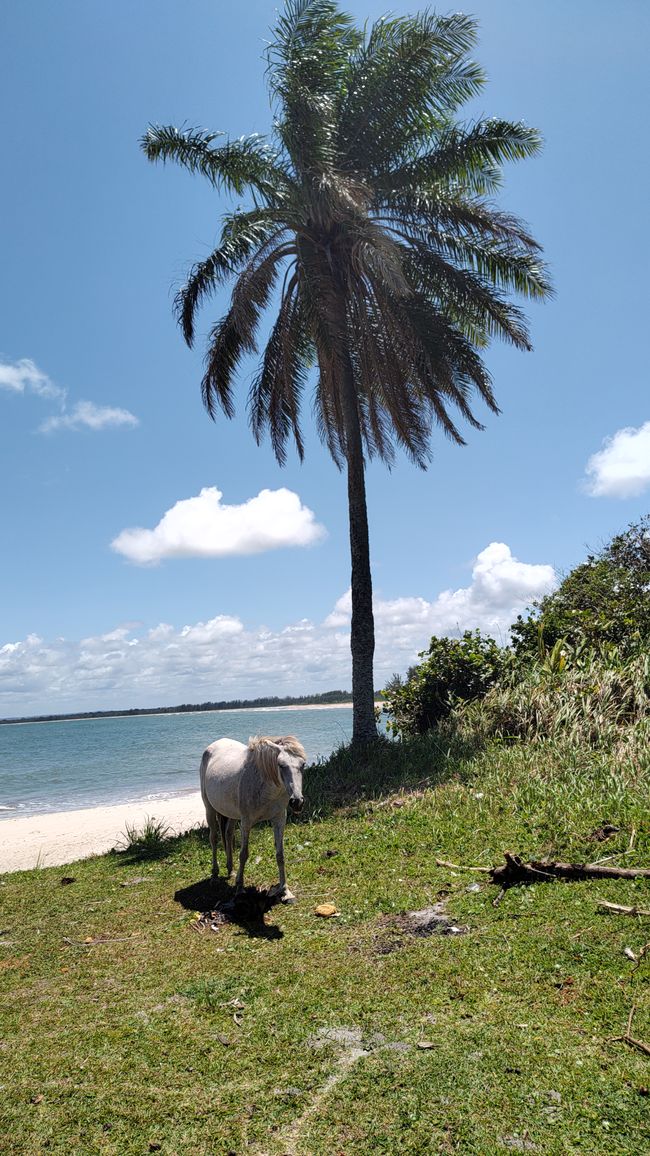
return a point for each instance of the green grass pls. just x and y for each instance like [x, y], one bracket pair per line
[149, 841]
[139, 1037]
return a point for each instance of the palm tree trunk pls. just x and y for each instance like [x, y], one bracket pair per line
[362, 634]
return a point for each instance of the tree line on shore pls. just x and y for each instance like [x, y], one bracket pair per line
[326, 698]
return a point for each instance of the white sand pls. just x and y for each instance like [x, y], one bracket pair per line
[51, 840]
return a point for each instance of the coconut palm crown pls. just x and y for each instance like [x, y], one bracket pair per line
[369, 228]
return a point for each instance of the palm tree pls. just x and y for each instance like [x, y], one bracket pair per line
[369, 223]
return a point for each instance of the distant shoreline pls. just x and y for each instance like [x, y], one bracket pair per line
[319, 702]
[172, 713]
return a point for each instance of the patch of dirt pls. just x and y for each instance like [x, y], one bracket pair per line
[421, 924]
[602, 833]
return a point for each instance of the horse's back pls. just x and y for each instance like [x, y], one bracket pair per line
[221, 768]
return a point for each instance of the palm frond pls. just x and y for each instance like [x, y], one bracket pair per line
[306, 61]
[463, 158]
[237, 165]
[312, 43]
[472, 302]
[450, 365]
[495, 245]
[236, 333]
[276, 392]
[241, 235]
[403, 84]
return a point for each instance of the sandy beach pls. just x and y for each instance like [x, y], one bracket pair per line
[54, 839]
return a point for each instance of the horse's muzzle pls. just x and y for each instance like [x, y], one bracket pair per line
[296, 805]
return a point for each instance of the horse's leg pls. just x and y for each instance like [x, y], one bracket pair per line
[227, 835]
[278, 834]
[211, 816]
[243, 854]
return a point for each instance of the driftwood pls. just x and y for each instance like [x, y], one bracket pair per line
[515, 872]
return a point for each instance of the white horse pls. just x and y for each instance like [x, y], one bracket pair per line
[251, 782]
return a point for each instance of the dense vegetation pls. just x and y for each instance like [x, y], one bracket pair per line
[604, 600]
[578, 666]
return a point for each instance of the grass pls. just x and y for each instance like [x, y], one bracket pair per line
[148, 841]
[124, 1030]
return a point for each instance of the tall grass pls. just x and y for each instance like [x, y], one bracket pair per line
[582, 696]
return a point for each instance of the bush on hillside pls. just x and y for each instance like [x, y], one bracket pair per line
[598, 698]
[453, 670]
[606, 599]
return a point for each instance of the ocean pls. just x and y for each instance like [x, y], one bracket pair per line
[63, 766]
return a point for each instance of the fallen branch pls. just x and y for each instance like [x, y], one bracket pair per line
[621, 909]
[514, 871]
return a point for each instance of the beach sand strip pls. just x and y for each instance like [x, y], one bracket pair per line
[54, 839]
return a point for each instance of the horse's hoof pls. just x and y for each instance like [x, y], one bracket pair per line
[287, 896]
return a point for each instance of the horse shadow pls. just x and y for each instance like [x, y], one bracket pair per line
[219, 899]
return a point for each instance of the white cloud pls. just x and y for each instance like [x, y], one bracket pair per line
[622, 468]
[501, 588]
[202, 527]
[87, 415]
[25, 377]
[223, 658]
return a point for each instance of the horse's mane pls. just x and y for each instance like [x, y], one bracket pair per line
[263, 749]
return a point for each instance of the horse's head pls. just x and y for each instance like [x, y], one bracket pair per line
[290, 768]
[282, 761]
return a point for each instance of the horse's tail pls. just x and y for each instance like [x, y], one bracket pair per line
[203, 771]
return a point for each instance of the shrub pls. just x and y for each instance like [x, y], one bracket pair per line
[603, 600]
[598, 698]
[452, 670]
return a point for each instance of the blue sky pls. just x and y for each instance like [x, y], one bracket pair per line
[102, 428]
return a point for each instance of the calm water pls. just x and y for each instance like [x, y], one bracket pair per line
[60, 766]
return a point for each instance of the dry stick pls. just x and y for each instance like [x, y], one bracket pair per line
[98, 942]
[632, 838]
[621, 909]
[608, 858]
[461, 867]
[629, 1039]
[515, 871]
